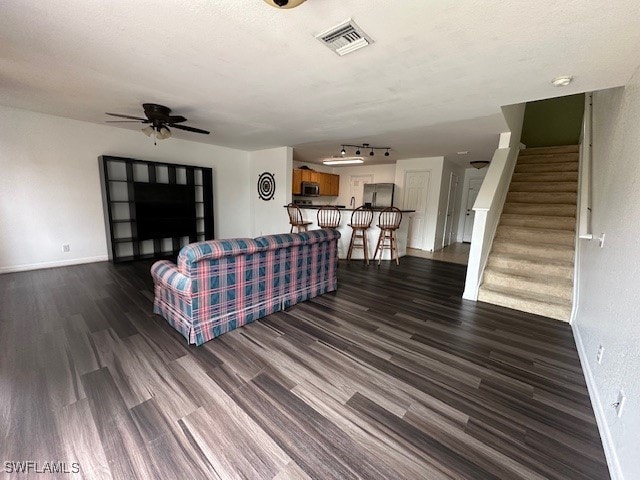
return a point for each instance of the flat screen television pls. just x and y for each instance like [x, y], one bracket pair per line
[164, 210]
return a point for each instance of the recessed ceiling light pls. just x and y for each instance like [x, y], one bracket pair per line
[562, 81]
[463, 153]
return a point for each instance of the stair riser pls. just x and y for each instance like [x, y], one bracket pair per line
[560, 158]
[551, 150]
[545, 177]
[541, 251]
[531, 236]
[523, 267]
[542, 197]
[557, 312]
[569, 187]
[533, 221]
[547, 167]
[521, 286]
[540, 209]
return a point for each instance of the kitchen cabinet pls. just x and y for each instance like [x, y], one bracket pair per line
[334, 185]
[329, 183]
[296, 184]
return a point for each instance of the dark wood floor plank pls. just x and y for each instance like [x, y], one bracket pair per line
[394, 375]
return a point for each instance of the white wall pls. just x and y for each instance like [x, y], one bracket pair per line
[268, 217]
[435, 165]
[469, 174]
[50, 186]
[447, 169]
[381, 174]
[608, 302]
[313, 166]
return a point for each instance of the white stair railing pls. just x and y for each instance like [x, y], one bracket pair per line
[488, 208]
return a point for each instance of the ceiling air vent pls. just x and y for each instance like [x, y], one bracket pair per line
[345, 38]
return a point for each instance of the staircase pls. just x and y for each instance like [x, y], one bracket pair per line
[530, 266]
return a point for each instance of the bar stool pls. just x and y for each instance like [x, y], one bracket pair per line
[361, 219]
[388, 223]
[295, 218]
[329, 217]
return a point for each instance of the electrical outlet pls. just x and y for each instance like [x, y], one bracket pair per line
[619, 403]
[66, 248]
[599, 354]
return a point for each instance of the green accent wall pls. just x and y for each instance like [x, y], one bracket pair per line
[553, 122]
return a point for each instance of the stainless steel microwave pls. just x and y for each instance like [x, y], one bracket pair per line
[310, 189]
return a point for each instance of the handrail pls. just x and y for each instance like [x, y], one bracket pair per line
[584, 187]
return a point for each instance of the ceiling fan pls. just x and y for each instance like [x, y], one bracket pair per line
[159, 119]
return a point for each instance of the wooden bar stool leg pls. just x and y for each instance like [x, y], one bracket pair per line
[353, 234]
[379, 245]
[365, 246]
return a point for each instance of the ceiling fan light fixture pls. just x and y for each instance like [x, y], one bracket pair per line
[163, 132]
[148, 130]
[284, 4]
[479, 164]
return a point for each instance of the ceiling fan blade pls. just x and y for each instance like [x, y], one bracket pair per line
[125, 116]
[127, 121]
[189, 129]
[175, 119]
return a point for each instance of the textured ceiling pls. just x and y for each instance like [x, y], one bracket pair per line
[431, 84]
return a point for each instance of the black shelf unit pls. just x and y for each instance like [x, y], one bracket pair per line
[117, 177]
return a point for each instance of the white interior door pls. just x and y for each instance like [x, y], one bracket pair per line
[416, 193]
[474, 188]
[450, 212]
[356, 184]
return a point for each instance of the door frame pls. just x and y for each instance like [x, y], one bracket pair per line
[449, 222]
[426, 205]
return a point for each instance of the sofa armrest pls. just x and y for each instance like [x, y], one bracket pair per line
[167, 274]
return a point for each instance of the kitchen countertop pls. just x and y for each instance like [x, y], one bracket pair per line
[342, 207]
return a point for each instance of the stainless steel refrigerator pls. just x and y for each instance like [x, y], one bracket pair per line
[379, 195]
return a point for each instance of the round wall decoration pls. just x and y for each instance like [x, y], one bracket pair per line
[266, 186]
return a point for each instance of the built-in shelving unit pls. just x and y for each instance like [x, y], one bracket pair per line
[119, 177]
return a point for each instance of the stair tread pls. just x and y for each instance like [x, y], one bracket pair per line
[554, 149]
[539, 279]
[560, 187]
[535, 230]
[532, 296]
[553, 222]
[551, 246]
[532, 259]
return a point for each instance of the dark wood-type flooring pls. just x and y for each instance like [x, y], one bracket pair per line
[392, 377]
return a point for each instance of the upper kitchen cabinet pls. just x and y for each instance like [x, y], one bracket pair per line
[328, 182]
[296, 183]
[334, 185]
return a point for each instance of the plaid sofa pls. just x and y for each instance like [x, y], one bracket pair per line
[220, 285]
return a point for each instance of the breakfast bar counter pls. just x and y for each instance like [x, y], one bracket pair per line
[309, 214]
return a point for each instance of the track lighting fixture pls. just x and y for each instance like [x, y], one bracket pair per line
[364, 146]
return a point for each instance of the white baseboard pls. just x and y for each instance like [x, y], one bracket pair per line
[58, 263]
[605, 434]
